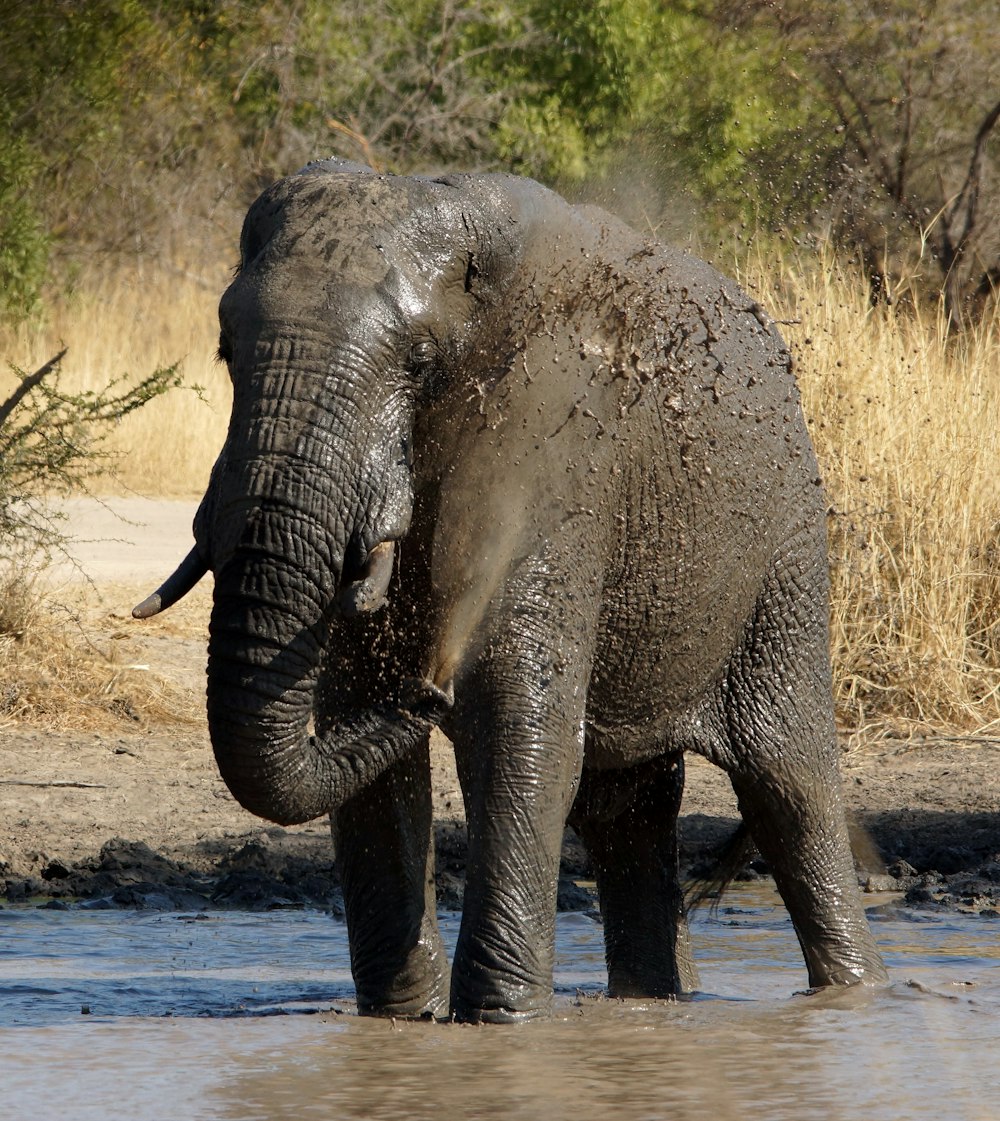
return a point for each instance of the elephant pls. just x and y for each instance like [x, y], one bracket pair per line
[501, 465]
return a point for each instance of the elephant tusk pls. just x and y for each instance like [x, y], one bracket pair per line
[191, 569]
[368, 594]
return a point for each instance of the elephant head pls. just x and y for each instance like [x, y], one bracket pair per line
[353, 305]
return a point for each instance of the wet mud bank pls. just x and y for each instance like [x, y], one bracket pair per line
[270, 869]
[144, 821]
[935, 861]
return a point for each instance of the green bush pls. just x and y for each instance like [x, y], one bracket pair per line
[142, 128]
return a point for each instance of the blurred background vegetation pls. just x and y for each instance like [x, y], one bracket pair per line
[144, 128]
[840, 156]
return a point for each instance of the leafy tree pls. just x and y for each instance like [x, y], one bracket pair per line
[905, 108]
[56, 76]
[171, 117]
[142, 127]
[400, 85]
[109, 137]
[24, 242]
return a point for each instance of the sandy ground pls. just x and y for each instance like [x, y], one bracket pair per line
[137, 815]
[123, 541]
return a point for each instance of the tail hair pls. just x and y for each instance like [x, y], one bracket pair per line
[727, 861]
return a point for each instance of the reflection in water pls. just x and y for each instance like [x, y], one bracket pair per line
[177, 1026]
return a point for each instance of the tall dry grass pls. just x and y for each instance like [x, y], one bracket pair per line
[906, 421]
[129, 324]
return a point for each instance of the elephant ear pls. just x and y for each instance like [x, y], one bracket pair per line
[260, 223]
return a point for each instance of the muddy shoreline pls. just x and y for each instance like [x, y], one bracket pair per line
[146, 823]
[264, 872]
[268, 870]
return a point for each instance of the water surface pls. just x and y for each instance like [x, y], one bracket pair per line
[114, 1014]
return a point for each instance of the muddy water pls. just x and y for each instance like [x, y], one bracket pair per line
[111, 1014]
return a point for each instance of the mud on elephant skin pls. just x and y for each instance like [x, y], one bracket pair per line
[498, 463]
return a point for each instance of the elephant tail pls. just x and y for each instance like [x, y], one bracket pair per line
[727, 862]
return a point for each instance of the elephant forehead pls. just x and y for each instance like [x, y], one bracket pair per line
[324, 258]
[299, 274]
[342, 223]
[289, 299]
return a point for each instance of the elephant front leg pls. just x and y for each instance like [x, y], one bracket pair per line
[385, 857]
[516, 811]
[519, 746]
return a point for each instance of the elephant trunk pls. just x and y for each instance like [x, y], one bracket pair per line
[263, 667]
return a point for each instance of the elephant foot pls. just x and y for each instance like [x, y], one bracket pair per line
[413, 1002]
[634, 989]
[500, 1004]
[669, 977]
[434, 1007]
[873, 974]
[851, 959]
[405, 1012]
[466, 1015]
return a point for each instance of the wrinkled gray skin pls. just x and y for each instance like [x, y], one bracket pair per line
[574, 464]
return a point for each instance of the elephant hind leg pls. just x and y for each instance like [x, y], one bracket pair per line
[782, 758]
[800, 832]
[631, 837]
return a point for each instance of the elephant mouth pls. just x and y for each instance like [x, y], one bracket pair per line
[367, 590]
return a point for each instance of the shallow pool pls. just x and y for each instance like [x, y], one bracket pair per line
[115, 1014]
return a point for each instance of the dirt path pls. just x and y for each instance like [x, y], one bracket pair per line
[124, 540]
[137, 815]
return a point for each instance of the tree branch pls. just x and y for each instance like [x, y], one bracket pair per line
[968, 196]
[28, 385]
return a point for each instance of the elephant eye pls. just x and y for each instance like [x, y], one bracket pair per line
[427, 365]
[422, 355]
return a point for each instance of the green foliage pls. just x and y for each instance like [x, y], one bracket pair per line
[24, 244]
[401, 84]
[59, 91]
[142, 127]
[656, 83]
[903, 130]
[581, 76]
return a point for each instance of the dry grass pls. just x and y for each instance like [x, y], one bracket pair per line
[74, 668]
[130, 324]
[906, 421]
